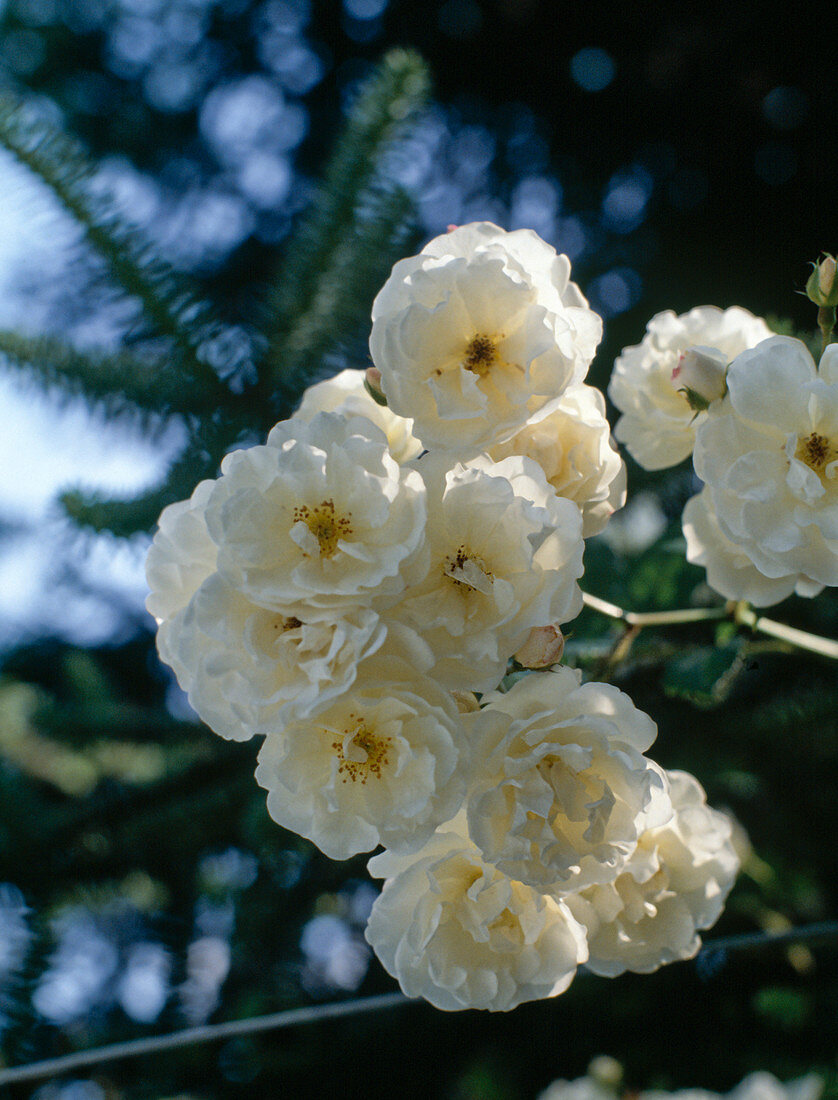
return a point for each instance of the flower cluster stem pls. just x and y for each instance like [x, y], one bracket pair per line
[740, 613]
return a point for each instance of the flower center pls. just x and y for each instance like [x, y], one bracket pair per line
[363, 756]
[816, 452]
[325, 524]
[281, 624]
[467, 571]
[480, 354]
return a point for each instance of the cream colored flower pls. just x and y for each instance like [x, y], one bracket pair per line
[583, 1088]
[658, 425]
[479, 332]
[456, 931]
[769, 456]
[320, 519]
[504, 556]
[674, 884]
[181, 556]
[347, 395]
[573, 447]
[729, 569]
[250, 670]
[564, 790]
[384, 763]
[756, 1086]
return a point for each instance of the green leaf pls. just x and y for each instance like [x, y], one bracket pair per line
[706, 675]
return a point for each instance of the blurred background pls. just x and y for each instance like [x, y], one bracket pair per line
[679, 156]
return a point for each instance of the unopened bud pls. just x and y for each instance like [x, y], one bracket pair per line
[606, 1071]
[544, 647]
[372, 384]
[822, 287]
[700, 376]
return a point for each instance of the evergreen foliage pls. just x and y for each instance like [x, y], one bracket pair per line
[344, 246]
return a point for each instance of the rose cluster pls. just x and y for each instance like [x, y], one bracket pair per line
[604, 1074]
[761, 422]
[353, 592]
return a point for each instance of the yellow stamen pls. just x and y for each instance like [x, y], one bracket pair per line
[481, 353]
[325, 524]
[365, 755]
[816, 452]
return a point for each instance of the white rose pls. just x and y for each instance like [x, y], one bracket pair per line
[181, 556]
[384, 763]
[346, 394]
[504, 556]
[573, 447]
[729, 569]
[658, 425]
[583, 1088]
[756, 1086]
[769, 456]
[250, 670]
[564, 791]
[458, 932]
[675, 884]
[320, 519]
[479, 332]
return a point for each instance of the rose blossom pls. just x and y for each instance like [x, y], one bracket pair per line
[319, 519]
[573, 447]
[504, 556]
[347, 395]
[674, 884]
[769, 456]
[658, 425]
[181, 556]
[564, 790]
[247, 669]
[729, 569]
[458, 932]
[479, 332]
[384, 763]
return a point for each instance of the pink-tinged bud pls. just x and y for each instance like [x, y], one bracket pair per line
[700, 376]
[372, 384]
[544, 647]
[822, 287]
[466, 701]
[451, 228]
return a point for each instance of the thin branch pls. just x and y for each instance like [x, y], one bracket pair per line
[52, 1067]
[654, 618]
[801, 638]
[738, 612]
[746, 940]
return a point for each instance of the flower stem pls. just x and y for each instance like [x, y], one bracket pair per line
[654, 618]
[745, 616]
[739, 612]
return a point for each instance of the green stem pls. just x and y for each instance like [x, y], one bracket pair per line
[745, 616]
[654, 618]
[740, 613]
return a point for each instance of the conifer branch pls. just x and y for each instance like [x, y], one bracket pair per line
[169, 304]
[317, 255]
[341, 301]
[126, 517]
[119, 381]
